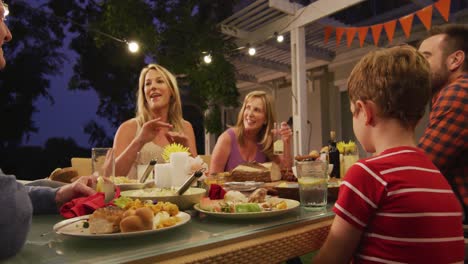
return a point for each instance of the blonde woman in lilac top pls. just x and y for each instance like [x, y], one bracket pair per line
[251, 139]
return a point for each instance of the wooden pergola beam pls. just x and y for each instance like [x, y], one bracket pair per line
[302, 17]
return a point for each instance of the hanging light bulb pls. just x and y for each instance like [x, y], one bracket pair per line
[133, 46]
[207, 59]
[252, 51]
[280, 38]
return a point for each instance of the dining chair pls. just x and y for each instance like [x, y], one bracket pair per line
[206, 159]
[82, 165]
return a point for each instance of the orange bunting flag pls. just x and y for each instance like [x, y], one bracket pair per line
[362, 32]
[406, 23]
[350, 33]
[328, 31]
[443, 6]
[339, 34]
[390, 29]
[376, 30]
[425, 15]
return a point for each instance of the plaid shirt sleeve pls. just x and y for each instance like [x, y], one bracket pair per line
[446, 135]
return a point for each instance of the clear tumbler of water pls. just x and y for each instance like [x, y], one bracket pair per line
[312, 179]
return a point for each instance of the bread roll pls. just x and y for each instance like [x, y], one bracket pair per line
[63, 175]
[137, 220]
[275, 171]
[251, 171]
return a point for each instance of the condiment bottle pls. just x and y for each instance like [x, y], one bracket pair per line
[334, 155]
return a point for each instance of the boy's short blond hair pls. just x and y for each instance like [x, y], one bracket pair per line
[396, 79]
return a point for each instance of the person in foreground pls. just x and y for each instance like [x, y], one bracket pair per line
[18, 202]
[158, 122]
[395, 207]
[446, 136]
[253, 136]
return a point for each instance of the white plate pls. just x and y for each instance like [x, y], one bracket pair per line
[74, 227]
[243, 186]
[130, 186]
[292, 204]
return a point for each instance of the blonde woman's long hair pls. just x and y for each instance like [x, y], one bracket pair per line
[174, 115]
[264, 137]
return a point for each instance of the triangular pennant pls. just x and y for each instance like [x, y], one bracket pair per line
[390, 29]
[376, 30]
[425, 15]
[406, 23]
[362, 32]
[339, 34]
[350, 33]
[443, 6]
[328, 31]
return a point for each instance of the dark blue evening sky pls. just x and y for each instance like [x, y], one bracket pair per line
[71, 111]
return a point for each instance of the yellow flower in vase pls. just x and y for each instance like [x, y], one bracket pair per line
[173, 148]
[341, 146]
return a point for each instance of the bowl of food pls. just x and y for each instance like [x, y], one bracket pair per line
[185, 201]
[125, 183]
[290, 190]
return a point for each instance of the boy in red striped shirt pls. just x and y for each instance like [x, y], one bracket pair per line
[395, 207]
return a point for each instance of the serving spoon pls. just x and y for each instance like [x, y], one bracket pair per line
[188, 182]
[148, 171]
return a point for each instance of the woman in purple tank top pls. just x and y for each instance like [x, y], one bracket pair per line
[251, 139]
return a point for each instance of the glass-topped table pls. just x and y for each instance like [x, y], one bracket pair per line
[204, 238]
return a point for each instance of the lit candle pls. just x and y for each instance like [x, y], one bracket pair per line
[180, 163]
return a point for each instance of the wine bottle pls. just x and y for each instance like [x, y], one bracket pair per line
[334, 155]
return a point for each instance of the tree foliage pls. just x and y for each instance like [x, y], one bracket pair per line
[191, 30]
[32, 57]
[171, 33]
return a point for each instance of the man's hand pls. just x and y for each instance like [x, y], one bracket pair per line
[81, 187]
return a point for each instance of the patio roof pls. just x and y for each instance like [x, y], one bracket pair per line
[257, 22]
[302, 23]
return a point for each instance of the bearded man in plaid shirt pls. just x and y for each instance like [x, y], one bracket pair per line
[446, 137]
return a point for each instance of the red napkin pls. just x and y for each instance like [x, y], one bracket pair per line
[86, 205]
[216, 192]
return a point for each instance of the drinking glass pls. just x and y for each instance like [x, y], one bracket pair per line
[278, 147]
[103, 165]
[312, 179]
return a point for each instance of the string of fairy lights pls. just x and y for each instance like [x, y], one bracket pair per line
[134, 47]
[251, 50]
[207, 58]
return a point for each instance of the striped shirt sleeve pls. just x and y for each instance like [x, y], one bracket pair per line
[360, 195]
